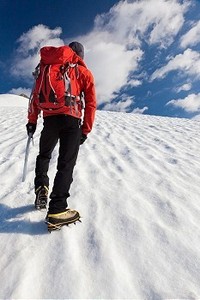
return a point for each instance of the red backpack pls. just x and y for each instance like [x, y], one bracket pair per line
[52, 83]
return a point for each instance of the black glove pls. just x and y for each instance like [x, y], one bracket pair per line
[83, 138]
[30, 127]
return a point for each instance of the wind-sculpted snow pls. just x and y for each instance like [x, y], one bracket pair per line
[136, 185]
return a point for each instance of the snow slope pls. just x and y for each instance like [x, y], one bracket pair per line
[136, 185]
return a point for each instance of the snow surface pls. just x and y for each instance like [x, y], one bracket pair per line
[136, 185]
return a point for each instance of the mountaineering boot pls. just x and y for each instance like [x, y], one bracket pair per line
[41, 197]
[56, 221]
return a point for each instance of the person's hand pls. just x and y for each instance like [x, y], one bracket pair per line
[83, 138]
[30, 127]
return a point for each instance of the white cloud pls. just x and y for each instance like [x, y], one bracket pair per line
[114, 46]
[190, 104]
[134, 83]
[197, 117]
[138, 110]
[192, 37]
[37, 37]
[188, 63]
[123, 106]
[20, 90]
[27, 54]
[157, 21]
[184, 87]
[111, 64]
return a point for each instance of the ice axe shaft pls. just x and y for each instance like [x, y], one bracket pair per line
[30, 137]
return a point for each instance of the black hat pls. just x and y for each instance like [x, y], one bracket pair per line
[78, 48]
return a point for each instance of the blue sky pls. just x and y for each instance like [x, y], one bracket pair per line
[144, 54]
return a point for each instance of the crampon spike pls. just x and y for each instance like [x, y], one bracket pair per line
[55, 227]
[52, 227]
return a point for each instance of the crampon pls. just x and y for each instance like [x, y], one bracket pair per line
[56, 221]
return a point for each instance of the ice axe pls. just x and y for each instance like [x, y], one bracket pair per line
[30, 137]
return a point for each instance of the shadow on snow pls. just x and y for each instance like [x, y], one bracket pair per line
[12, 221]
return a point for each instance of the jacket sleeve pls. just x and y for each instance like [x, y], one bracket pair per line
[33, 111]
[90, 103]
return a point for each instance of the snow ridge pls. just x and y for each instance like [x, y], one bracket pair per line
[136, 185]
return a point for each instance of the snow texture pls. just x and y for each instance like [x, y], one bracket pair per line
[137, 187]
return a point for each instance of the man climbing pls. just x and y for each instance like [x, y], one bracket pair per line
[64, 123]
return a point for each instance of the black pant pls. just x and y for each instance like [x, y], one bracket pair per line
[67, 130]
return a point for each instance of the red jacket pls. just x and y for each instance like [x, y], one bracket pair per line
[82, 81]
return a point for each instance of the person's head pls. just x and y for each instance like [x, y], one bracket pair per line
[77, 48]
